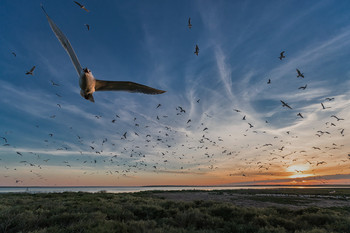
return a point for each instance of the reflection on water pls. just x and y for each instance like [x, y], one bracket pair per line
[130, 189]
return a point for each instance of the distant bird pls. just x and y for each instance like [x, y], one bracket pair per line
[300, 74]
[338, 119]
[87, 26]
[87, 82]
[323, 107]
[299, 114]
[304, 87]
[189, 121]
[269, 82]
[250, 125]
[124, 135]
[5, 139]
[181, 109]
[54, 84]
[198, 100]
[282, 55]
[189, 23]
[196, 50]
[159, 105]
[244, 117]
[329, 99]
[14, 54]
[19, 153]
[31, 71]
[236, 110]
[205, 129]
[59, 105]
[81, 6]
[285, 105]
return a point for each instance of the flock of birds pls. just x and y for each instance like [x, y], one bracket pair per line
[172, 143]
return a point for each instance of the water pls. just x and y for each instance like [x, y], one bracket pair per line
[131, 189]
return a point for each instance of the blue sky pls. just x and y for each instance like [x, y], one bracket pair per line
[148, 42]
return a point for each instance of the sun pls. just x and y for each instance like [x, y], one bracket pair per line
[298, 170]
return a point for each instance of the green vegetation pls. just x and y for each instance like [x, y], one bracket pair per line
[145, 212]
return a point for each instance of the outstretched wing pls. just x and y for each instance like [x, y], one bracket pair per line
[125, 86]
[64, 42]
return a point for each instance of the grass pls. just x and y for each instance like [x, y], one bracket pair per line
[144, 212]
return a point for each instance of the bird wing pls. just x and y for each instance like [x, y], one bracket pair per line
[78, 4]
[125, 86]
[32, 69]
[65, 43]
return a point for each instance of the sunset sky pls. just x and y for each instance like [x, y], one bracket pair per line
[233, 130]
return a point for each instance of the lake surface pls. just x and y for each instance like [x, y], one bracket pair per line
[130, 189]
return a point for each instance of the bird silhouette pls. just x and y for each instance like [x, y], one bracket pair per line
[304, 87]
[300, 74]
[285, 104]
[189, 23]
[299, 114]
[282, 55]
[87, 82]
[196, 50]
[87, 26]
[269, 82]
[31, 71]
[81, 6]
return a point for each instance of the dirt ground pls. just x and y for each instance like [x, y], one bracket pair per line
[251, 200]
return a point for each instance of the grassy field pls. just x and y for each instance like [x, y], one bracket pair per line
[149, 212]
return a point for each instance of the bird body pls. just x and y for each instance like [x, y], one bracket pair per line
[189, 23]
[87, 81]
[282, 55]
[81, 6]
[284, 104]
[300, 74]
[196, 50]
[31, 71]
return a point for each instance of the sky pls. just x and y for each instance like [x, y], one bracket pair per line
[233, 128]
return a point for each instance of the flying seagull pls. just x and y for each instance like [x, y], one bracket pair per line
[87, 26]
[30, 71]
[81, 6]
[14, 54]
[197, 50]
[87, 82]
[300, 74]
[303, 87]
[189, 23]
[285, 104]
[269, 82]
[282, 55]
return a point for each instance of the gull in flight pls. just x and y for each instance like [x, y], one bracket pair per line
[87, 82]
[197, 50]
[282, 55]
[284, 104]
[31, 71]
[300, 74]
[189, 23]
[81, 6]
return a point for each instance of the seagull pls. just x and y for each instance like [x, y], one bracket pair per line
[81, 6]
[87, 26]
[269, 82]
[304, 87]
[87, 82]
[189, 23]
[329, 99]
[159, 105]
[300, 74]
[299, 114]
[285, 105]
[338, 119]
[54, 84]
[14, 54]
[31, 71]
[282, 55]
[197, 50]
